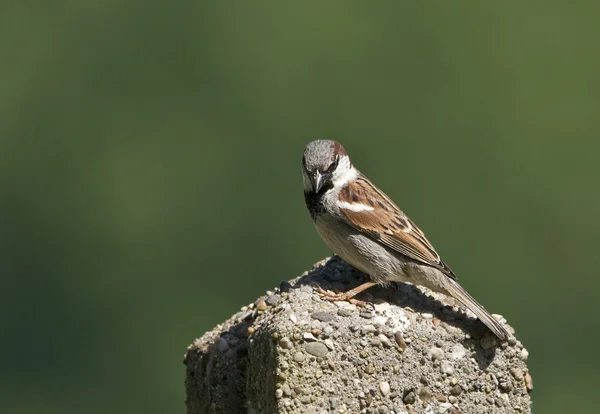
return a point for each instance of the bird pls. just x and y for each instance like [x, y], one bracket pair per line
[364, 227]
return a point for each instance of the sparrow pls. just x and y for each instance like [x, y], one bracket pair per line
[366, 229]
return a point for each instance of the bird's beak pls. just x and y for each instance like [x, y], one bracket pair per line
[318, 181]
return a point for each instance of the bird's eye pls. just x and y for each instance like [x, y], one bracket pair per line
[333, 165]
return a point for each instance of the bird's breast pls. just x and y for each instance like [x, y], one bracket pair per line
[359, 250]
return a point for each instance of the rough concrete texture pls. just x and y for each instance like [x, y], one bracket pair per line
[410, 351]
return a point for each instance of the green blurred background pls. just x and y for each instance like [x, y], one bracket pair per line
[150, 175]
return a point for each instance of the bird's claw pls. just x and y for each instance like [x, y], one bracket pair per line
[342, 297]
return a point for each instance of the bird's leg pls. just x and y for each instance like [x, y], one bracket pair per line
[348, 295]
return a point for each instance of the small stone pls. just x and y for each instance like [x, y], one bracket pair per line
[446, 368]
[261, 305]
[385, 341]
[331, 365]
[488, 341]
[366, 315]
[456, 390]
[528, 382]
[499, 317]
[345, 305]
[287, 391]
[425, 394]
[380, 320]
[517, 373]
[293, 318]
[307, 336]
[285, 286]
[273, 300]
[278, 393]
[382, 306]
[370, 369]
[344, 312]
[457, 352]
[322, 316]
[524, 354]
[317, 349]
[286, 343]
[384, 387]
[436, 353]
[299, 357]
[329, 344]
[452, 399]
[499, 402]
[250, 330]
[409, 398]
[369, 328]
[221, 345]
[436, 321]
[505, 387]
[363, 354]
[400, 341]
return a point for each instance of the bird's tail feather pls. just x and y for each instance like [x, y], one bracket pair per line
[457, 291]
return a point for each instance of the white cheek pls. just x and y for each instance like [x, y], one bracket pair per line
[344, 173]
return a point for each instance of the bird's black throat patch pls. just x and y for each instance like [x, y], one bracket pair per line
[314, 203]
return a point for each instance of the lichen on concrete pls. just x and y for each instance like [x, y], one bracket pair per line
[409, 351]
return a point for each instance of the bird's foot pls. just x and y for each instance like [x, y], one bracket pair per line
[342, 297]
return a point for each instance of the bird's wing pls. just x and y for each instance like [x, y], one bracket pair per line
[370, 211]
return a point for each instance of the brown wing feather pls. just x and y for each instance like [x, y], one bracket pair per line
[388, 224]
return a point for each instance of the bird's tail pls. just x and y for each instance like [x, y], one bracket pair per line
[457, 291]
